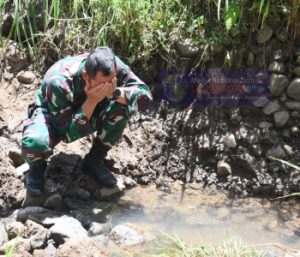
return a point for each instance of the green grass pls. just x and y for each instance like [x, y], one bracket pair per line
[174, 246]
[138, 30]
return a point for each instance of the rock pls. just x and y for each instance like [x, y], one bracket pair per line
[66, 227]
[276, 152]
[271, 107]
[21, 170]
[21, 246]
[278, 84]
[297, 71]
[277, 55]
[14, 229]
[16, 156]
[293, 105]
[297, 52]
[265, 125]
[280, 34]
[281, 118]
[295, 130]
[250, 59]
[107, 192]
[102, 239]
[264, 34]
[257, 151]
[37, 234]
[293, 90]
[276, 67]
[286, 133]
[26, 77]
[126, 236]
[54, 202]
[261, 101]
[38, 214]
[229, 141]
[81, 246]
[223, 169]
[3, 234]
[49, 251]
[99, 228]
[298, 60]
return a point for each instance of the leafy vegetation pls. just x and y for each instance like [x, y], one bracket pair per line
[138, 29]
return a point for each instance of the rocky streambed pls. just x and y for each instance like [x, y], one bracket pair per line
[223, 148]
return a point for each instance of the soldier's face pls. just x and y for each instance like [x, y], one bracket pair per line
[99, 78]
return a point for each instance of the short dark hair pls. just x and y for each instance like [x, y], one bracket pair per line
[100, 59]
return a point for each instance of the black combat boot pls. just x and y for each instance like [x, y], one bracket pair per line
[93, 163]
[34, 179]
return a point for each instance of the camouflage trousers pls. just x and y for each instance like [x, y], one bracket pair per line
[40, 137]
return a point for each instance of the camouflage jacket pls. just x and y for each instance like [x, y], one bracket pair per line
[62, 94]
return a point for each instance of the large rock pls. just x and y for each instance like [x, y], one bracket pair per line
[38, 214]
[26, 77]
[107, 192]
[126, 236]
[82, 246]
[278, 84]
[264, 34]
[223, 169]
[37, 234]
[276, 67]
[54, 202]
[66, 227]
[16, 156]
[21, 245]
[99, 228]
[49, 251]
[293, 90]
[293, 105]
[271, 107]
[281, 118]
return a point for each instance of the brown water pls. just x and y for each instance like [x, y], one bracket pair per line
[199, 216]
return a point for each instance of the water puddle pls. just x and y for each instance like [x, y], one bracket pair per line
[202, 216]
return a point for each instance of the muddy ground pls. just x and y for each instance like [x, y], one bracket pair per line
[162, 145]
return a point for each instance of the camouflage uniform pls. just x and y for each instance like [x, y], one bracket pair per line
[57, 114]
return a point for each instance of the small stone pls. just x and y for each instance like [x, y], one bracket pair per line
[257, 151]
[54, 202]
[278, 84]
[26, 77]
[271, 107]
[265, 125]
[277, 55]
[261, 101]
[297, 71]
[288, 149]
[280, 34]
[281, 118]
[276, 152]
[293, 90]
[298, 60]
[295, 130]
[223, 169]
[264, 34]
[14, 229]
[229, 141]
[126, 236]
[286, 133]
[16, 156]
[293, 105]
[99, 228]
[276, 67]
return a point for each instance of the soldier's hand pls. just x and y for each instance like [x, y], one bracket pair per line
[97, 93]
[112, 87]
